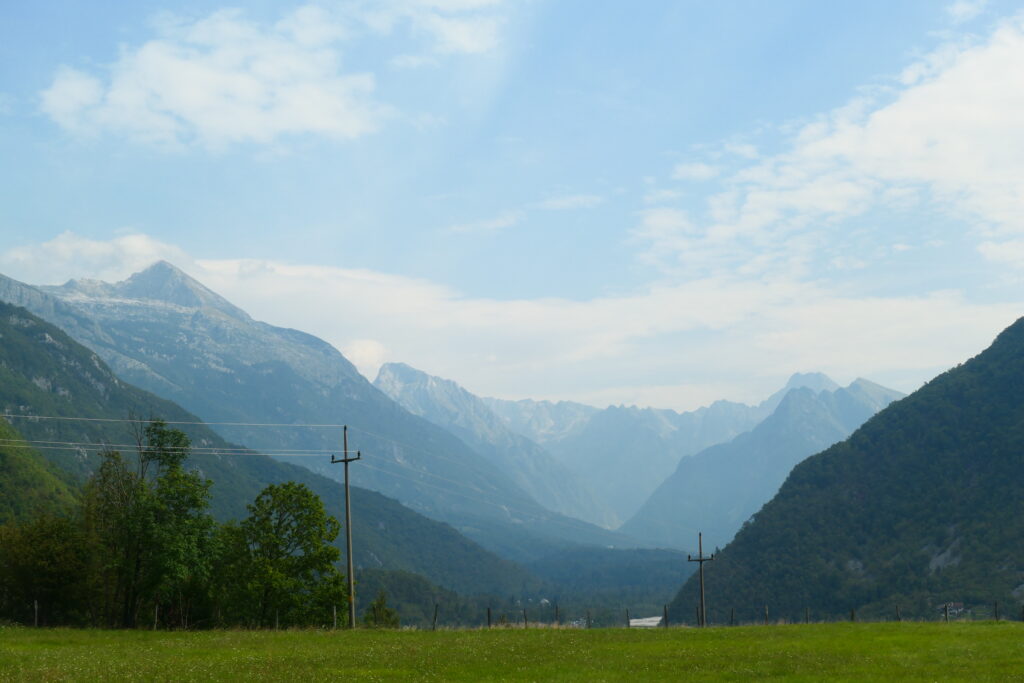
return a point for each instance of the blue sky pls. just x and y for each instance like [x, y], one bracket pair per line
[660, 203]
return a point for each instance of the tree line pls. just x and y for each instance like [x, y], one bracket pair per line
[141, 549]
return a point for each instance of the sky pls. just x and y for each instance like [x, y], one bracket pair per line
[662, 203]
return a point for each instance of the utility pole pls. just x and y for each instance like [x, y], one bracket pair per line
[703, 616]
[348, 529]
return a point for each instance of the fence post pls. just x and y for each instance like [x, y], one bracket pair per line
[996, 610]
[526, 623]
[945, 612]
[156, 615]
[853, 615]
[35, 607]
[335, 609]
[899, 617]
[588, 618]
[488, 617]
[433, 626]
[627, 618]
[557, 620]
[807, 615]
[766, 615]
[732, 617]
[666, 616]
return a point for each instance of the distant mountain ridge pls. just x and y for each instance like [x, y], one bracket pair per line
[165, 332]
[536, 471]
[717, 490]
[918, 507]
[43, 372]
[642, 446]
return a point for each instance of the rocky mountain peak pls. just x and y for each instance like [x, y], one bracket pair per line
[162, 282]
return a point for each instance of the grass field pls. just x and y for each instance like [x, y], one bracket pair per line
[891, 651]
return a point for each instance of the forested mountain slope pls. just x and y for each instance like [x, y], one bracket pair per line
[29, 484]
[45, 372]
[922, 505]
[718, 489]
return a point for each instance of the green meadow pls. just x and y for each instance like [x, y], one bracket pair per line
[885, 651]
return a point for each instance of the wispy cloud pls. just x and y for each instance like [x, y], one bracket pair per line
[658, 196]
[573, 201]
[965, 10]
[694, 171]
[72, 256]
[944, 134]
[500, 222]
[741, 335]
[227, 79]
[220, 80]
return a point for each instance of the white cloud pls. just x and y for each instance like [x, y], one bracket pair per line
[945, 136]
[470, 27]
[505, 220]
[678, 345]
[574, 201]
[226, 79]
[366, 354]
[659, 196]
[694, 171]
[965, 10]
[71, 256]
[721, 337]
[742, 149]
[223, 79]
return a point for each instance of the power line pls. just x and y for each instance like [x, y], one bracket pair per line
[193, 449]
[174, 422]
[72, 446]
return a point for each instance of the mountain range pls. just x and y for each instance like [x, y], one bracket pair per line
[43, 372]
[166, 333]
[717, 490]
[642, 446]
[919, 507]
[529, 465]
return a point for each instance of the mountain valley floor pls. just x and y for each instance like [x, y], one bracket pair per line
[838, 651]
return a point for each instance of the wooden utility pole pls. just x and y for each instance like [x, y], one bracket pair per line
[702, 616]
[348, 529]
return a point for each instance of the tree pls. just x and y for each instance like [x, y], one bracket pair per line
[277, 565]
[379, 615]
[43, 562]
[148, 529]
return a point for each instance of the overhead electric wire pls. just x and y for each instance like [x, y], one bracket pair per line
[193, 449]
[173, 422]
[433, 454]
[210, 450]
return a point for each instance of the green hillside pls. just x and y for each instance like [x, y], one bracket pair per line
[28, 482]
[921, 506]
[44, 372]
